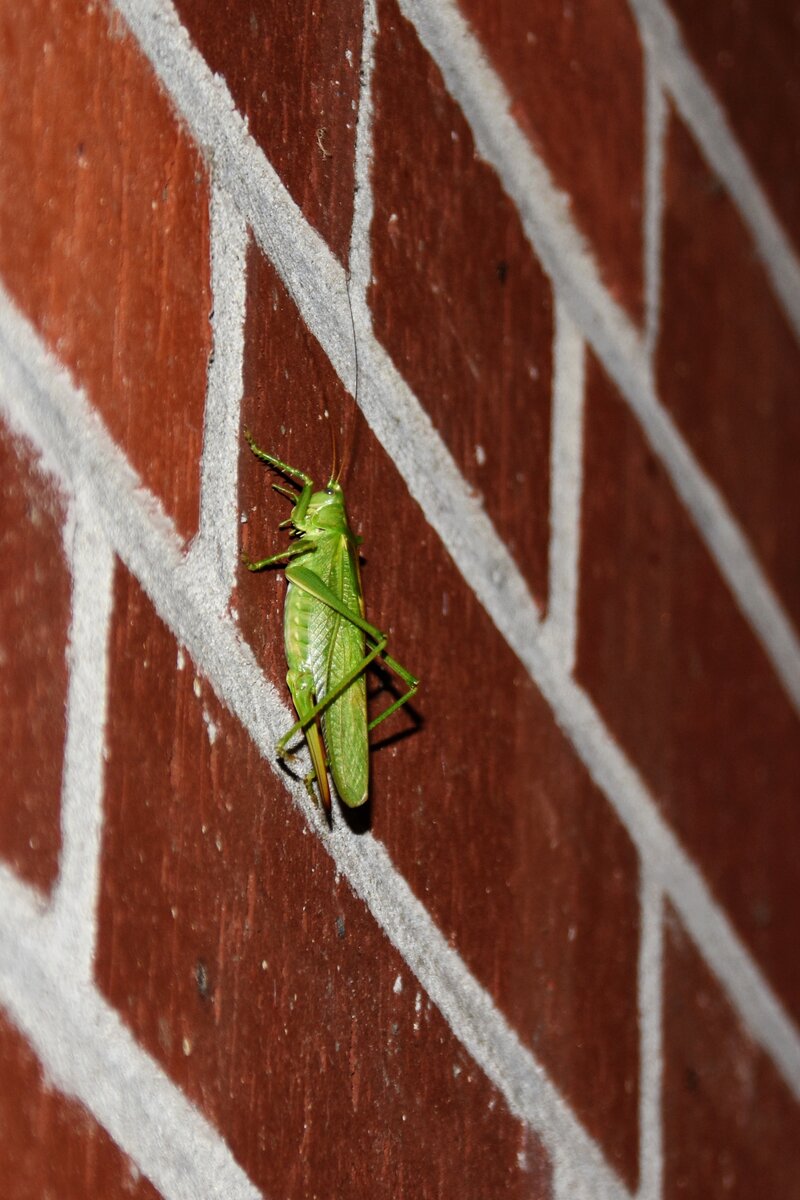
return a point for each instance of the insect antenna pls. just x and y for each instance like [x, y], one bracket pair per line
[355, 356]
[333, 474]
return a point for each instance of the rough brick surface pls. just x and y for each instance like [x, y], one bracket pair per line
[250, 978]
[458, 298]
[254, 975]
[686, 688]
[731, 1125]
[34, 621]
[50, 1147]
[516, 884]
[104, 232]
[748, 52]
[293, 71]
[733, 393]
[574, 74]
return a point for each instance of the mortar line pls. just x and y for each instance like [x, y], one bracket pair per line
[704, 115]
[562, 251]
[360, 258]
[87, 1053]
[39, 398]
[221, 656]
[74, 901]
[651, 1066]
[218, 537]
[559, 630]
[317, 283]
[655, 144]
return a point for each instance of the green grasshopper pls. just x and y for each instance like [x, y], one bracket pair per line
[328, 642]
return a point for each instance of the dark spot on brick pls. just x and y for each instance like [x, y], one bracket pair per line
[203, 982]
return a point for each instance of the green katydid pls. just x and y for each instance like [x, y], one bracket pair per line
[328, 642]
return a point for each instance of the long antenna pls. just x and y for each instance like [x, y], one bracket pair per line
[355, 355]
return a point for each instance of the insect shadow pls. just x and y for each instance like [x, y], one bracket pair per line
[380, 682]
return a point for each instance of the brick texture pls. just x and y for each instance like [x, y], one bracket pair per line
[253, 974]
[458, 298]
[748, 52]
[575, 78]
[730, 1123]
[686, 688]
[34, 621]
[104, 232]
[234, 952]
[517, 886]
[733, 393]
[50, 1147]
[293, 71]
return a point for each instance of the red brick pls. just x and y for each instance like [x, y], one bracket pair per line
[748, 52]
[459, 300]
[251, 972]
[49, 1145]
[293, 71]
[731, 1126]
[728, 363]
[34, 621]
[575, 78]
[104, 232]
[482, 805]
[685, 687]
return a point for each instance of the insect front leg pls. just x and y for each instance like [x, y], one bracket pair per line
[301, 506]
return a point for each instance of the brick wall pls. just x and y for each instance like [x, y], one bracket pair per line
[556, 957]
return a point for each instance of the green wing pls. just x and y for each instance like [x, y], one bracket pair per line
[345, 720]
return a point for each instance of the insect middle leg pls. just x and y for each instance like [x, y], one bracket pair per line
[302, 547]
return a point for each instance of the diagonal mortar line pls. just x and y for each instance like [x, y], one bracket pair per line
[41, 403]
[652, 228]
[479, 92]
[317, 283]
[704, 115]
[88, 1053]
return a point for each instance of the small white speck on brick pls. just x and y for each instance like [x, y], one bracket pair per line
[456, 1070]
[181, 660]
[197, 687]
[243, 518]
[187, 1046]
[211, 728]
[398, 985]
[480, 455]
[418, 1002]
